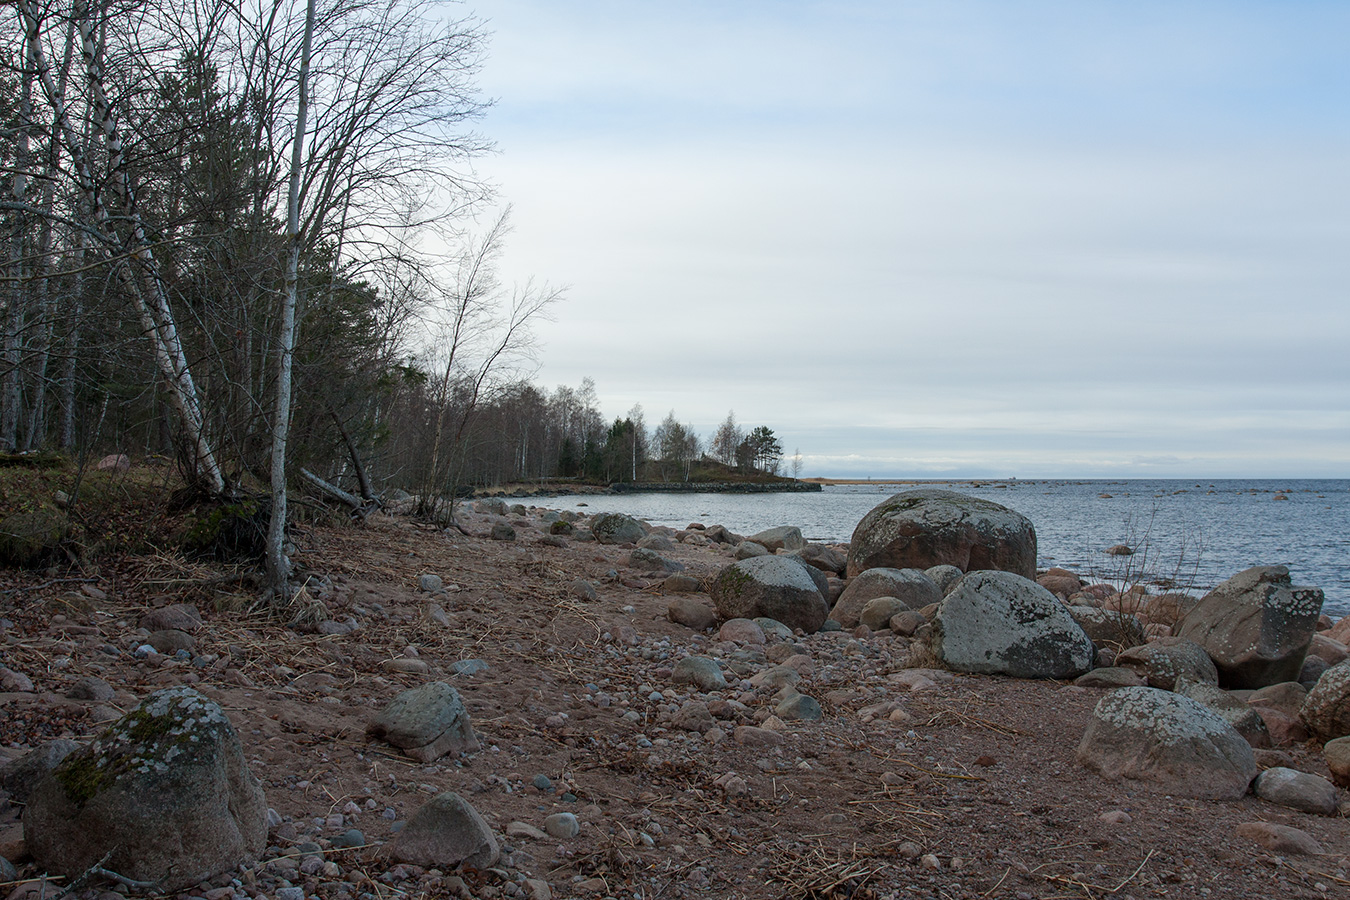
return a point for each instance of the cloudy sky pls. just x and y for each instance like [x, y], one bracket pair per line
[944, 238]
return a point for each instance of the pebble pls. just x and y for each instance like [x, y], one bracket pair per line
[543, 783]
[562, 825]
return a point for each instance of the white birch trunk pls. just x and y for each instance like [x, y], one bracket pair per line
[278, 566]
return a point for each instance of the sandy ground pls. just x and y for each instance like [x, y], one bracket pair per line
[965, 788]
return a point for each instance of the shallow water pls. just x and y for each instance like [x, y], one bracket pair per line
[1196, 533]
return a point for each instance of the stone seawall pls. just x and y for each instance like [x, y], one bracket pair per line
[714, 487]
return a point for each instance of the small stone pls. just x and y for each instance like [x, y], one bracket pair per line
[582, 590]
[542, 782]
[1297, 790]
[700, 671]
[525, 830]
[929, 861]
[290, 893]
[799, 707]
[349, 839]
[468, 667]
[751, 736]
[429, 583]
[91, 688]
[1116, 817]
[1280, 838]
[562, 826]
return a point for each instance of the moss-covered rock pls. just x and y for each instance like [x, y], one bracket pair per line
[165, 789]
[28, 538]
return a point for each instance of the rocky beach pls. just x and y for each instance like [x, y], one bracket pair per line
[554, 706]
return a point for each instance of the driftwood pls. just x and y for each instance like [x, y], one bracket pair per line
[360, 508]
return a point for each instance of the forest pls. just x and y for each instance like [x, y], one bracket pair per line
[248, 238]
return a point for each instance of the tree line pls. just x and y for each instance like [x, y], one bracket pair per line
[247, 236]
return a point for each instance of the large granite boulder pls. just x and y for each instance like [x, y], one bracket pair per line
[1326, 710]
[1108, 628]
[912, 586]
[1161, 662]
[1256, 626]
[166, 790]
[930, 527]
[1171, 741]
[998, 623]
[616, 528]
[777, 587]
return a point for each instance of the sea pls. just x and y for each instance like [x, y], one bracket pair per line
[1187, 534]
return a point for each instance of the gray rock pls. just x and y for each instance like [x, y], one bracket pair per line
[177, 617]
[493, 506]
[1326, 711]
[929, 527]
[773, 629]
[7, 871]
[349, 839]
[777, 587]
[720, 535]
[907, 622]
[798, 707]
[18, 778]
[999, 623]
[879, 611]
[827, 559]
[657, 542]
[1109, 677]
[429, 582]
[1281, 839]
[651, 561]
[582, 590]
[616, 528]
[944, 576]
[911, 586]
[91, 688]
[749, 550]
[171, 641]
[165, 789]
[1163, 661]
[502, 531]
[15, 682]
[446, 832]
[467, 667]
[1173, 742]
[691, 613]
[693, 715]
[784, 537]
[681, 584]
[1256, 626]
[700, 671]
[563, 826]
[1245, 720]
[1297, 790]
[426, 722]
[561, 528]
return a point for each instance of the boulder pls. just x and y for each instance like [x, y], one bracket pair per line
[1109, 677]
[445, 832]
[910, 586]
[1282, 839]
[1327, 649]
[930, 527]
[879, 611]
[426, 722]
[166, 790]
[827, 559]
[701, 671]
[1163, 661]
[616, 528]
[1336, 753]
[1233, 710]
[1173, 742]
[999, 623]
[784, 537]
[177, 617]
[1167, 609]
[944, 576]
[1326, 711]
[691, 612]
[1060, 582]
[28, 538]
[1297, 790]
[749, 550]
[657, 542]
[20, 776]
[1256, 626]
[778, 587]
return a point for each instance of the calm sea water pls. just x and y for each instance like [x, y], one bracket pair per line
[1196, 533]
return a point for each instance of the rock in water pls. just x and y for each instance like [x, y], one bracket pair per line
[930, 527]
[166, 788]
[1256, 626]
[426, 723]
[998, 623]
[1172, 741]
[445, 832]
[778, 587]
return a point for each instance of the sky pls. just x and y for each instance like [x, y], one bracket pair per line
[943, 238]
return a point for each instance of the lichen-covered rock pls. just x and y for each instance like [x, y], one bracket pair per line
[930, 527]
[1233, 710]
[1326, 710]
[1256, 626]
[616, 528]
[777, 587]
[1161, 662]
[1171, 741]
[426, 722]
[165, 789]
[911, 586]
[999, 623]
